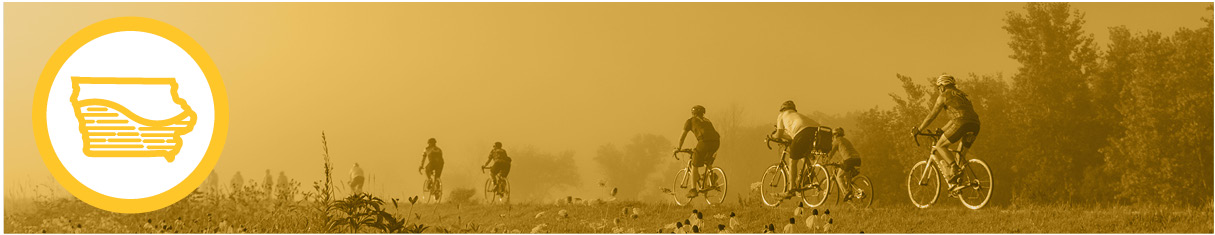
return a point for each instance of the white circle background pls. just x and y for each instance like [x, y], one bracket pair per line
[130, 54]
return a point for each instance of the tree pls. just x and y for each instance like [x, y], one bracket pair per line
[630, 167]
[537, 174]
[1163, 153]
[1058, 133]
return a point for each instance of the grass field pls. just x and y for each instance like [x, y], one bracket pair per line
[210, 215]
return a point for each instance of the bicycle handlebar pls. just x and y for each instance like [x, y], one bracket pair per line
[677, 151]
[930, 133]
[768, 140]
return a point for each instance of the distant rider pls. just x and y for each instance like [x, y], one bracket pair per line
[501, 165]
[798, 130]
[964, 119]
[851, 164]
[707, 142]
[434, 155]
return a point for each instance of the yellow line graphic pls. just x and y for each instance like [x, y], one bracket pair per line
[110, 129]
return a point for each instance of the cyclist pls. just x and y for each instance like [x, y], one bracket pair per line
[501, 165]
[851, 164]
[707, 142]
[434, 170]
[964, 120]
[356, 179]
[798, 130]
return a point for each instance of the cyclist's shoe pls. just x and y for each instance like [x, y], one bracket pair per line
[955, 179]
[957, 187]
[848, 197]
[692, 193]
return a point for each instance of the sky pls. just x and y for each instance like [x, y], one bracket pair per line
[381, 78]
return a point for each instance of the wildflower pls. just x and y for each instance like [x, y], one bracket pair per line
[540, 228]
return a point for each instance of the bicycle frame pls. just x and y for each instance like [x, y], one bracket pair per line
[784, 167]
[495, 180]
[703, 176]
[960, 154]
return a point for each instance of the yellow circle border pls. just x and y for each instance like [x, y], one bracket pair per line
[218, 93]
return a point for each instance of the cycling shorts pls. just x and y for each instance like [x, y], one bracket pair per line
[800, 148]
[955, 130]
[500, 168]
[705, 153]
[434, 168]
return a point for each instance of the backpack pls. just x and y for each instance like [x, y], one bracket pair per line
[822, 139]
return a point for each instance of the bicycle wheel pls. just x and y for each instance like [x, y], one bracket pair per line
[773, 185]
[819, 186]
[923, 184]
[683, 183]
[977, 182]
[862, 192]
[715, 192]
[489, 190]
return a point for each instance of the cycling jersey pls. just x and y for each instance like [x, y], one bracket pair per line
[793, 123]
[434, 155]
[958, 105]
[702, 128]
[499, 155]
[501, 162]
[434, 161]
[843, 145]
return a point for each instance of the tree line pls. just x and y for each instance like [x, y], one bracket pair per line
[1077, 123]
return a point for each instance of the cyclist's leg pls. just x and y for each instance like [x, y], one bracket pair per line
[945, 158]
[852, 168]
[841, 178]
[695, 189]
[494, 171]
[435, 173]
[698, 160]
[429, 180]
[799, 149]
[710, 155]
[795, 165]
[703, 157]
[438, 170]
[502, 174]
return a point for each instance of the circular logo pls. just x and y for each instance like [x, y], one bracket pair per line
[130, 115]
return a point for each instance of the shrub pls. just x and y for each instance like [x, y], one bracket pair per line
[462, 195]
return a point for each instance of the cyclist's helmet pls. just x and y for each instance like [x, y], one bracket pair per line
[839, 131]
[431, 141]
[946, 80]
[788, 105]
[698, 110]
[497, 144]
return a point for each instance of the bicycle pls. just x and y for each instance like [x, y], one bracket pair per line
[775, 186]
[501, 195]
[862, 188]
[432, 190]
[974, 180]
[715, 177]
